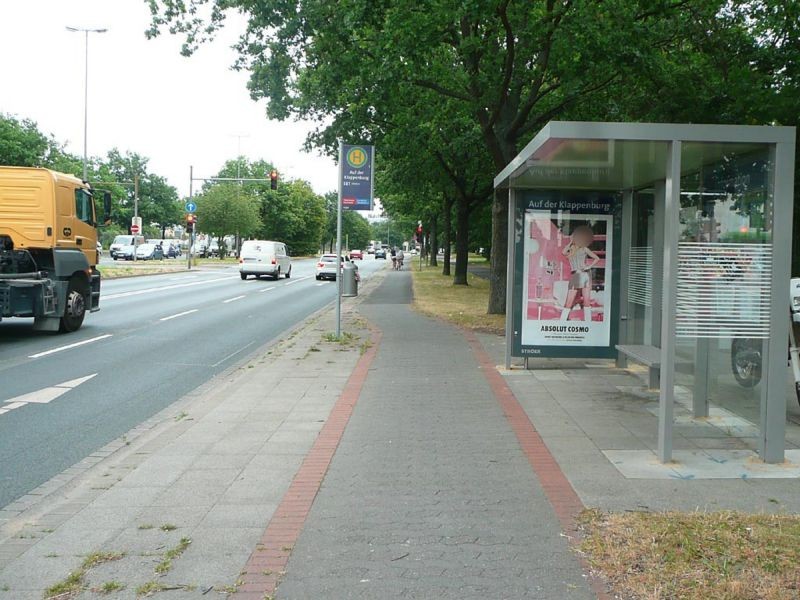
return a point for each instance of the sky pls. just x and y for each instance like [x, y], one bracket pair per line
[143, 95]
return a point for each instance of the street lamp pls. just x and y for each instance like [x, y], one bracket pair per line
[86, 31]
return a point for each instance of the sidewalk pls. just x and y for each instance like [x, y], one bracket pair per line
[429, 494]
[401, 463]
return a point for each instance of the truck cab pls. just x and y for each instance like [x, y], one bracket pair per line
[48, 248]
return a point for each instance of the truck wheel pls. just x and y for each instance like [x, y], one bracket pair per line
[75, 310]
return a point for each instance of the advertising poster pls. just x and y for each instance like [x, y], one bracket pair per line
[566, 290]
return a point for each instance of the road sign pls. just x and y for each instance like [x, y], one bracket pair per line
[136, 225]
[356, 177]
[190, 207]
[135, 229]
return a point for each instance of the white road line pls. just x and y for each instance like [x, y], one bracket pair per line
[75, 345]
[163, 288]
[234, 299]
[232, 354]
[180, 314]
[267, 289]
[319, 284]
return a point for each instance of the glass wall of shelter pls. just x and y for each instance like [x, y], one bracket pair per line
[704, 265]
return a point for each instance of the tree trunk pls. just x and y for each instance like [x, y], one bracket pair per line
[462, 241]
[433, 245]
[447, 232]
[500, 241]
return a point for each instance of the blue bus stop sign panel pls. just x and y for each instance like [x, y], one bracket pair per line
[357, 173]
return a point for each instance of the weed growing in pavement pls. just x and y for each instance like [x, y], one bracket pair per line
[365, 345]
[346, 339]
[146, 526]
[51, 555]
[166, 564]
[168, 527]
[73, 583]
[5, 587]
[181, 415]
[149, 588]
[110, 587]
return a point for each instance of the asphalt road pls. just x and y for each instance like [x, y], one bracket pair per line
[155, 339]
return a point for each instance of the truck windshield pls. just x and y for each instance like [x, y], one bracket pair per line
[84, 206]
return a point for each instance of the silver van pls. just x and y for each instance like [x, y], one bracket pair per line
[259, 257]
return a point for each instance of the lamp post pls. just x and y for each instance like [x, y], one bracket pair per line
[86, 31]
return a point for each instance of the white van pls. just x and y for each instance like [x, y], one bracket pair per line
[259, 257]
[122, 246]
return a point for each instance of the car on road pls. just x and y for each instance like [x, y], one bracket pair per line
[263, 257]
[149, 252]
[356, 254]
[326, 267]
[122, 246]
[380, 253]
[99, 249]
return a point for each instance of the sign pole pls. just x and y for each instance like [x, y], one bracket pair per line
[135, 210]
[191, 237]
[339, 247]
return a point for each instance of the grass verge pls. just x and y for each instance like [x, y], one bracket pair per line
[695, 556]
[464, 305]
[116, 272]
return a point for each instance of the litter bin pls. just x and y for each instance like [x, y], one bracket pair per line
[349, 280]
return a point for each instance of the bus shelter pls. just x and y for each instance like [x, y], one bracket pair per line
[665, 244]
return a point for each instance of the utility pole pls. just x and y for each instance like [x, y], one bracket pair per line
[135, 210]
[191, 235]
[339, 246]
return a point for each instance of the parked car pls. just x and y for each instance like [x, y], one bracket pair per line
[326, 267]
[260, 257]
[356, 254]
[149, 251]
[171, 249]
[380, 253]
[99, 249]
[124, 241]
[200, 250]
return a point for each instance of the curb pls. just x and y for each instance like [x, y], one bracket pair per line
[267, 563]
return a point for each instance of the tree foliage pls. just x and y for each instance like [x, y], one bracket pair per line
[225, 209]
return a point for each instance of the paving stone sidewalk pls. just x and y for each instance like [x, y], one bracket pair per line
[429, 494]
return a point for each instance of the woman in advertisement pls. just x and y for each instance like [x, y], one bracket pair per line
[581, 260]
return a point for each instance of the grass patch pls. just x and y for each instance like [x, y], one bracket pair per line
[74, 582]
[695, 556]
[145, 526]
[149, 588]
[464, 305]
[114, 272]
[71, 585]
[166, 564]
[346, 339]
[168, 527]
[109, 587]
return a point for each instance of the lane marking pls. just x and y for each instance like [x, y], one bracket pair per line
[232, 354]
[234, 299]
[320, 283]
[164, 288]
[180, 314]
[45, 395]
[269, 289]
[69, 346]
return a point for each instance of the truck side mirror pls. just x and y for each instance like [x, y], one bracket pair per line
[107, 208]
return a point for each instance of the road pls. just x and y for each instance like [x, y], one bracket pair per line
[155, 339]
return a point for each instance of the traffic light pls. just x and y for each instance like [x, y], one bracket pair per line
[190, 221]
[273, 179]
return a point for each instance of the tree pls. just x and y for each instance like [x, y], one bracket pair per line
[224, 209]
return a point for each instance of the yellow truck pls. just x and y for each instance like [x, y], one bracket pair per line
[48, 248]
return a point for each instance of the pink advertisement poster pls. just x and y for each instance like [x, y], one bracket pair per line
[566, 279]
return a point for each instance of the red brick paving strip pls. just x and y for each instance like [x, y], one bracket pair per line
[559, 491]
[264, 568]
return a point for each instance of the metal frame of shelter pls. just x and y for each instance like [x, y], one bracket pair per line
[670, 166]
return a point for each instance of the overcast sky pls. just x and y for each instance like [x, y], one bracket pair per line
[143, 95]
